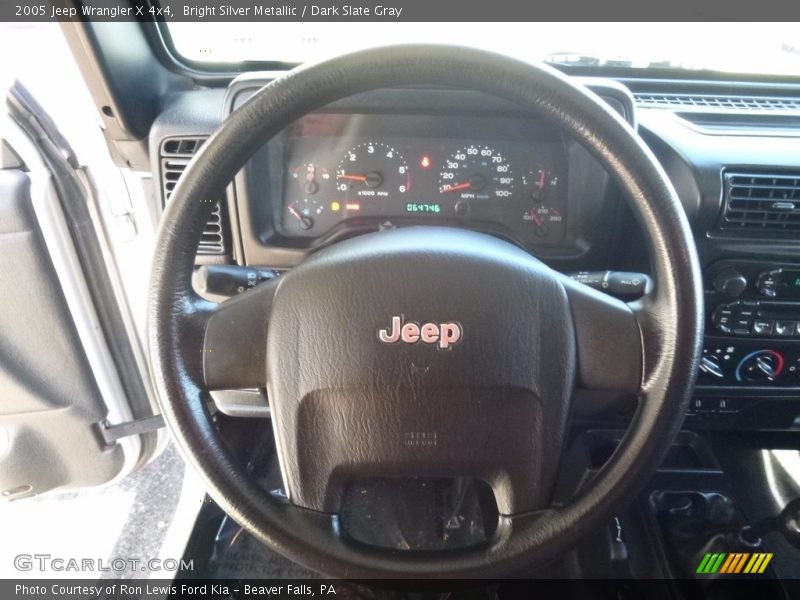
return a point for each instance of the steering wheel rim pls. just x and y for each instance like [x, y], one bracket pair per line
[668, 320]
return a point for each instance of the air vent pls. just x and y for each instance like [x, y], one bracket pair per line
[725, 103]
[175, 155]
[181, 146]
[761, 203]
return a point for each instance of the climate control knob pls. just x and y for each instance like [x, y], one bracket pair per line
[710, 365]
[760, 366]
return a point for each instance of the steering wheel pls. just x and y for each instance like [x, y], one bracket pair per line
[491, 341]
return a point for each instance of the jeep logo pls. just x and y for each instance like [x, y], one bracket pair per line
[444, 334]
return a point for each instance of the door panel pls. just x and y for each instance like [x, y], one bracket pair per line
[49, 401]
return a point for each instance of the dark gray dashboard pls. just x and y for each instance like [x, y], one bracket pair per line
[710, 153]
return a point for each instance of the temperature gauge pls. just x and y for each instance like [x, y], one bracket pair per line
[546, 221]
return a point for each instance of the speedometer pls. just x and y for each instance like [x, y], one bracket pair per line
[477, 173]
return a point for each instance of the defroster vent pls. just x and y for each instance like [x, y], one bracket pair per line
[718, 102]
[761, 203]
[175, 155]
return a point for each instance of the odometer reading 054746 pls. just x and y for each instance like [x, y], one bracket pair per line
[477, 173]
[423, 207]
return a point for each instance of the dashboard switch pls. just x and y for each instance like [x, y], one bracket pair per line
[711, 366]
[229, 280]
[763, 326]
[616, 283]
[785, 328]
[632, 285]
[462, 207]
[745, 311]
[742, 326]
[723, 319]
[593, 279]
[767, 283]
[731, 282]
[760, 366]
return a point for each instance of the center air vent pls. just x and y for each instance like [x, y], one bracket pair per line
[761, 203]
[175, 155]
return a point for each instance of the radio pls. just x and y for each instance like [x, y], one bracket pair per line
[754, 299]
[779, 283]
[758, 318]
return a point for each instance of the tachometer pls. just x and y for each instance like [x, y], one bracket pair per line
[372, 169]
[477, 173]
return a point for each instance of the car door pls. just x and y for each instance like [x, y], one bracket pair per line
[76, 406]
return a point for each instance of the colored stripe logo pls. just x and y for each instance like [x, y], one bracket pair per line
[734, 563]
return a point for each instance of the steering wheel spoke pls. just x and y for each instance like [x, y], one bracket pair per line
[608, 340]
[235, 340]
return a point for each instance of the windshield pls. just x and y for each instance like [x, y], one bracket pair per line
[757, 48]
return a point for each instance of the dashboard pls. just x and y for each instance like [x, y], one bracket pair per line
[438, 156]
[503, 174]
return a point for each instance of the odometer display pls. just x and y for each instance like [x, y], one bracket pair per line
[477, 172]
[427, 207]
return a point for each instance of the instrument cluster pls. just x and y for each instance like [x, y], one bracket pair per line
[335, 175]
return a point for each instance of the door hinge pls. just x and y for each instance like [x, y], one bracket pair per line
[111, 433]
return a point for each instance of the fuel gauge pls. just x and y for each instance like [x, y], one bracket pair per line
[304, 211]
